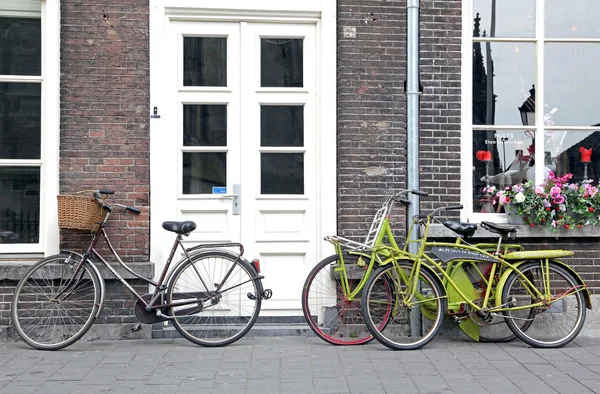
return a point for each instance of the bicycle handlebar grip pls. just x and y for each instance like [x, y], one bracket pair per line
[403, 201]
[106, 191]
[454, 207]
[134, 210]
[419, 193]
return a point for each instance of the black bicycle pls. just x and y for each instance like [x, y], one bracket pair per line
[212, 296]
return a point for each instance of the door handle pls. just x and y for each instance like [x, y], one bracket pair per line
[236, 199]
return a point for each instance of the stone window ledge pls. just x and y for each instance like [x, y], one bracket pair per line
[15, 269]
[523, 231]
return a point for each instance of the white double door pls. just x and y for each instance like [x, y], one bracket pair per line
[236, 149]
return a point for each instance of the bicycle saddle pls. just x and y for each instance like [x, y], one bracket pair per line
[464, 229]
[502, 229]
[180, 227]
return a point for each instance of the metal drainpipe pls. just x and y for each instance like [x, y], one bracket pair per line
[412, 130]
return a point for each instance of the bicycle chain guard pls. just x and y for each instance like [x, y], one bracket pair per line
[144, 316]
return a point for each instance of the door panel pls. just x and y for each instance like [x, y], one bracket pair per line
[280, 128]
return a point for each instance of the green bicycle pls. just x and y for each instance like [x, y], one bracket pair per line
[331, 300]
[542, 300]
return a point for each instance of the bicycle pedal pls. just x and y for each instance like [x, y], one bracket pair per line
[265, 295]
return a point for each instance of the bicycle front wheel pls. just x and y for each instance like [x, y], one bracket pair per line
[557, 322]
[398, 322]
[327, 307]
[219, 298]
[51, 307]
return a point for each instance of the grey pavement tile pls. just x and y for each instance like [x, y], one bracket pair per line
[593, 385]
[18, 389]
[576, 370]
[330, 385]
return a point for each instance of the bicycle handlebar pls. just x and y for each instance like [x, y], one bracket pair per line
[98, 196]
[419, 193]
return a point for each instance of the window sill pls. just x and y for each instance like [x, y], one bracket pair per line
[523, 231]
[16, 269]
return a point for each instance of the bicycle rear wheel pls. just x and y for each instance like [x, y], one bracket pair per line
[51, 309]
[394, 323]
[330, 313]
[550, 326]
[221, 295]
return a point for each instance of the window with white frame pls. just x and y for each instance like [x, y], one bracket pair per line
[21, 154]
[533, 96]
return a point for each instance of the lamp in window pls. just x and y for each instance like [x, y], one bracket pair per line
[586, 157]
[527, 109]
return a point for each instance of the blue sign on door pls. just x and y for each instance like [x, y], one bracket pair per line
[219, 190]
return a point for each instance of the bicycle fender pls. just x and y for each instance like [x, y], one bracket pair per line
[568, 268]
[100, 279]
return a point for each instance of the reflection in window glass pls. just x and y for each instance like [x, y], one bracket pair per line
[19, 204]
[572, 19]
[282, 173]
[204, 125]
[500, 158]
[503, 73]
[281, 125]
[281, 62]
[204, 170]
[20, 120]
[571, 82]
[204, 61]
[510, 18]
[20, 46]
[568, 152]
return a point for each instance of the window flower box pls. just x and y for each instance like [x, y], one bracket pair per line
[554, 205]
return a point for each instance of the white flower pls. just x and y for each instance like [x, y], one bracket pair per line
[519, 197]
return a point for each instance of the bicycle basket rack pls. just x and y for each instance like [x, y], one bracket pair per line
[372, 235]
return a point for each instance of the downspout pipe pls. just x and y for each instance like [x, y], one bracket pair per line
[412, 111]
[412, 132]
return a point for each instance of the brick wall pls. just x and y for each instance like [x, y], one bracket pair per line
[371, 110]
[372, 106]
[104, 113]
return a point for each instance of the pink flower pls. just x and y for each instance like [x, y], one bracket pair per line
[539, 190]
[559, 200]
[555, 191]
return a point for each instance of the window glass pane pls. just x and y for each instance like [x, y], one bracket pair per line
[281, 62]
[571, 82]
[500, 158]
[204, 125]
[503, 73]
[19, 204]
[203, 171]
[281, 125]
[20, 46]
[282, 173]
[569, 152]
[572, 19]
[20, 115]
[204, 61]
[504, 18]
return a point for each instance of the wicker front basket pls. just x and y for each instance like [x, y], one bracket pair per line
[79, 213]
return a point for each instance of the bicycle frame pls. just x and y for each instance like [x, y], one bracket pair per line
[476, 255]
[159, 286]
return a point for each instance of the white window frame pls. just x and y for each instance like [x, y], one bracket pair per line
[467, 101]
[50, 132]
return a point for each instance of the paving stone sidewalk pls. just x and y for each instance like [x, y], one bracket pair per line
[300, 365]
